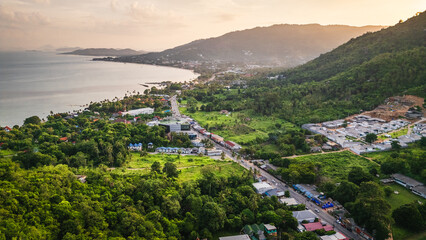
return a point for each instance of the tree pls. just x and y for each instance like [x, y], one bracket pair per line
[357, 176]
[388, 191]
[222, 155]
[156, 167]
[213, 216]
[306, 236]
[32, 120]
[346, 192]
[287, 193]
[410, 217]
[371, 137]
[395, 145]
[170, 170]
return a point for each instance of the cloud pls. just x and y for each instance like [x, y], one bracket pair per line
[149, 14]
[226, 17]
[17, 19]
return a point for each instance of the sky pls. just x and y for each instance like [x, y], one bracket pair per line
[155, 25]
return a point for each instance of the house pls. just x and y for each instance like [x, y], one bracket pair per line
[336, 236]
[224, 112]
[305, 215]
[289, 201]
[310, 227]
[7, 129]
[419, 190]
[213, 152]
[236, 237]
[135, 147]
[81, 178]
[233, 146]
[256, 231]
[316, 149]
[150, 145]
[274, 192]
[405, 181]
[63, 139]
[139, 111]
[262, 187]
[216, 138]
[270, 229]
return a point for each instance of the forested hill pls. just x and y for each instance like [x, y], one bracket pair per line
[285, 45]
[401, 37]
[359, 75]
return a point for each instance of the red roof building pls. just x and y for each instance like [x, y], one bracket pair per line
[7, 128]
[63, 139]
[310, 227]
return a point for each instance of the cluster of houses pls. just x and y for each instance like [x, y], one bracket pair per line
[255, 232]
[309, 221]
[172, 150]
[416, 187]
[347, 134]
[135, 147]
[218, 139]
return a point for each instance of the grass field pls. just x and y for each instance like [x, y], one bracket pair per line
[399, 133]
[180, 161]
[405, 196]
[337, 165]
[189, 166]
[241, 127]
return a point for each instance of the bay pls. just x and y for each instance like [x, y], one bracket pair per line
[35, 83]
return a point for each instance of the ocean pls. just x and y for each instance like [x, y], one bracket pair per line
[35, 83]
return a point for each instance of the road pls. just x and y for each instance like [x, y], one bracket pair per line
[175, 107]
[323, 215]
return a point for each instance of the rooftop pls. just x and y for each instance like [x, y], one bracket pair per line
[236, 237]
[406, 180]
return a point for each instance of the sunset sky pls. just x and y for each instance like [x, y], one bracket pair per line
[159, 24]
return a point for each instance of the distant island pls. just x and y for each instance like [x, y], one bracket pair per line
[105, 52]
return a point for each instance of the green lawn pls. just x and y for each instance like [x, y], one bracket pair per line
[181, 161]
[336, 165]
[399, 133]
[241, 127]
[189, 166]
[405, 196]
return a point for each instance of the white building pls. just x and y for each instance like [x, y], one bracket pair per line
[136, 112]
[262, 187]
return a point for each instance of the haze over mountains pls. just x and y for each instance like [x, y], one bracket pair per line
[282, 45]
[105, 52]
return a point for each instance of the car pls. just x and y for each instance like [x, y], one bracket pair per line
[316, 210]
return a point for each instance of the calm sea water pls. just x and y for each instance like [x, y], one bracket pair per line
[35, 83]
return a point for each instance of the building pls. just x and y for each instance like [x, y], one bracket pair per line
[405, 181]
[313, 226]
[305, 215]
[419, 190]
[274, 192]
[150, 145]
[270, 230]
[213, 152]
[216, 138]
[236, 237]
[139, 111]
[135, 147]
[232, 145]
[192, 135]
[175, 125]
[289, 201]
[262, 187]
[336, 236]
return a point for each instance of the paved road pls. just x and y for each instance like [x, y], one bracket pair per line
[175, 107]
[323, 215]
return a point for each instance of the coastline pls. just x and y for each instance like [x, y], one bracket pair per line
[67, 83]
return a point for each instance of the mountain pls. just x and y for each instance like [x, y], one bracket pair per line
[401, 37]
[283, 45]
[105, 52]
[358, 75]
